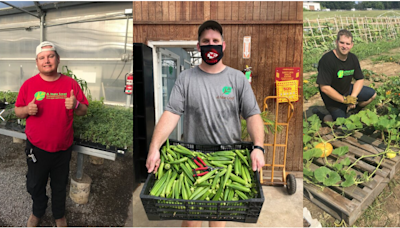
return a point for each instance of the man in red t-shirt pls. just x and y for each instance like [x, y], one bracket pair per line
[48, 101]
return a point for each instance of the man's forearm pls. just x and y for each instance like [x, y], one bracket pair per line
[163, 129]
[21, 112]
[255, 127]
[81, 110]
[332, 93]
[357, 87]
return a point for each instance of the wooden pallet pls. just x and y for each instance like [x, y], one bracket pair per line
[349, 203]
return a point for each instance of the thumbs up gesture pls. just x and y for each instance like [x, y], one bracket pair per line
[32, 107]
[70, 102]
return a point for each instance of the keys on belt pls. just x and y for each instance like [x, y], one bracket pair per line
[32, 156]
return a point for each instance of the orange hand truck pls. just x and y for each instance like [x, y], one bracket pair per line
[289, 180]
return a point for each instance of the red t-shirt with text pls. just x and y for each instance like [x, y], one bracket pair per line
[51, 128]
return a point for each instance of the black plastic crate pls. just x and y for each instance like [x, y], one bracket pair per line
[159, 208]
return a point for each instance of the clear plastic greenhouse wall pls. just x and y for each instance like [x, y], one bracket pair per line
[91, 41]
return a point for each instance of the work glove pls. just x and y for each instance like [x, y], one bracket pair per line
[349, 99]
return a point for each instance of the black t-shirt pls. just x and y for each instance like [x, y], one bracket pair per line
[338, 74]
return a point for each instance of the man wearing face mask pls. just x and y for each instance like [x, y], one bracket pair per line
[211, 97]
[336, 69]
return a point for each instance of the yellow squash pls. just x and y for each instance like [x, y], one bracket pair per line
[326, 149]
[390, 154]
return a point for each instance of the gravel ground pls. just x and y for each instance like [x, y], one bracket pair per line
[109, 200]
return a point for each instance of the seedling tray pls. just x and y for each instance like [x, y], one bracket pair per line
[98, 146]
[13, 125]
[349, 203]
[3, 105]
[159, 208]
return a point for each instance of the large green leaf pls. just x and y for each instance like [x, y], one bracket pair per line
[351, 174]
[384, 123]
[315, 123]
[354, 118]
[394, 134]
[306, 139]
[368, 117]
[313, 119]
[326, 176]
[357, 122]
[338, 166]
[340, 121]
[330, 124]
[307, 172]
[315, 152]
[346, 161]
[305, 124]
[349, 182]
[340, 151]
[350, 126]
[321, 173]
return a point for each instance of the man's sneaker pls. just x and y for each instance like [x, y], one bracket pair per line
[33, 221]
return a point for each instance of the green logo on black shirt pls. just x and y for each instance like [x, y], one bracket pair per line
[342, 73]
[227, 90]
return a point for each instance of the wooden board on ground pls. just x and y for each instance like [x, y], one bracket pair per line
[349, 203]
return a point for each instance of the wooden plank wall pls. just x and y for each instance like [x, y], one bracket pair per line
[276, 32]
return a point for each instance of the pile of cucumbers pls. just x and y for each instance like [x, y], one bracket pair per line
[230, 178]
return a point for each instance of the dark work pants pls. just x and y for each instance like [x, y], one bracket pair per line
[365, 94]
[55, 165]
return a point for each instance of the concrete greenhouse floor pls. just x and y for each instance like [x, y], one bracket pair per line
[279, 210]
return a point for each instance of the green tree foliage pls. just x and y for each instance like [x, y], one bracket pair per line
[360, 5]
[338, 5]
[374, 5]
[391, 5]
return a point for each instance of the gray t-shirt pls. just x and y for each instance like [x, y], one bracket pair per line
[212, 105]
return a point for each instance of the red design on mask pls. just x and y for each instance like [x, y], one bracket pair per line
[212, 56]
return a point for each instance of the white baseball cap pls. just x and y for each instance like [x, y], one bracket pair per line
[40, 48]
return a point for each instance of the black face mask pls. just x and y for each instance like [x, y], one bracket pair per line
[211, 54]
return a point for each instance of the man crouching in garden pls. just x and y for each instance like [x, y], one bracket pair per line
[48, 101]
[336, 69]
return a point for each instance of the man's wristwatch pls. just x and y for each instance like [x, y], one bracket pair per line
[259, 147]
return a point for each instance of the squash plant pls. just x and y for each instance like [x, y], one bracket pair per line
[388, 96]
[332, 172]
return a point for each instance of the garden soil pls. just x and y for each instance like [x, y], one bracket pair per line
[384, 211]
[109, 200]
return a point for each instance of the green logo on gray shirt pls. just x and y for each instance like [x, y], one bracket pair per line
[227, 90]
